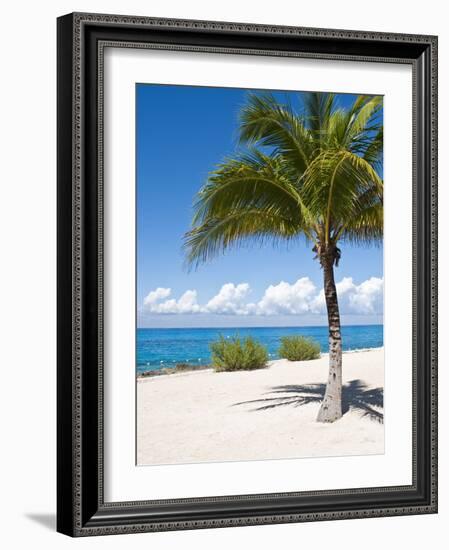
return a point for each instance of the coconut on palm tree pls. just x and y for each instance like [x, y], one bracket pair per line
[311, 172]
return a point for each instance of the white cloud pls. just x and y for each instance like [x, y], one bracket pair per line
[156, 295]
[186, 304]
[230, 300]
[363, 299]
[301, 297]
[287, 299]
[368, 296]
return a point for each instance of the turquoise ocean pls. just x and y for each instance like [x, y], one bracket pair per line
[158, 348]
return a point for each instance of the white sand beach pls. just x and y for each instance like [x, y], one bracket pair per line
[270, 413]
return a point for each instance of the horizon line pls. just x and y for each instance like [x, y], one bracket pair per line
[270, 326]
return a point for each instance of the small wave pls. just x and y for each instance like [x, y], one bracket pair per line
[360, 350]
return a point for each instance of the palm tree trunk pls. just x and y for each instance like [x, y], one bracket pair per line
[330, 409]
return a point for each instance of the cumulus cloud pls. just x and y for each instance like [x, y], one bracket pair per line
[186, 304]
[300, 297]
[368, 296]
[230, 300]
[363, 299]
[156, 295]
[287, 299]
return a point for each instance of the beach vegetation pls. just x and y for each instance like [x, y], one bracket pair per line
[236, 354]
[299, 348]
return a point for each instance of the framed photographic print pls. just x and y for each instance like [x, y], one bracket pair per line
[247, 280]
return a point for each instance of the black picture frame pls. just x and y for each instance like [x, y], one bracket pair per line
[81, 510]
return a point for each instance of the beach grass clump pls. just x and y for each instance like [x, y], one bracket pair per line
[299, 348]
[236, 354]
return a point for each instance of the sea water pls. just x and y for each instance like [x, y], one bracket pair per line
[158, 348]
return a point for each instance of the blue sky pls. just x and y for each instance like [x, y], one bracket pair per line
[182, 133]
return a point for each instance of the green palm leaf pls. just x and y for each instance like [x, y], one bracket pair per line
[234, 229]
[252, 180]
[319, 107]
[366, 227]
[267, 123]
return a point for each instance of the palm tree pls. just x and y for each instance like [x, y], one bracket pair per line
[311, 172]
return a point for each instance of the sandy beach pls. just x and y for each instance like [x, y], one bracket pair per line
[264, 414]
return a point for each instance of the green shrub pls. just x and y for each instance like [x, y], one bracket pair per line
[298, 348]
[236, 354]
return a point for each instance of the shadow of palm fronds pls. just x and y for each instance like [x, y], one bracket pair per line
[355, 396]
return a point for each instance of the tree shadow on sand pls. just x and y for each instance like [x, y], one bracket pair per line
[355, 396]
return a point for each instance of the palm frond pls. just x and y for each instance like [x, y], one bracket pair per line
[318, 109]
[251, 180]
[374, 149]
[216, 235]
[362, 122]
[267, 123]
[366, 227]
[249, 197]
[337, 128]
[334, 184]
